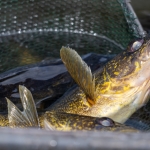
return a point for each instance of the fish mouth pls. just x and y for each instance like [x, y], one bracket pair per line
[145, 54]
[142, 78]
[142, 73]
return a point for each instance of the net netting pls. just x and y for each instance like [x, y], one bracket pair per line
[31, 30]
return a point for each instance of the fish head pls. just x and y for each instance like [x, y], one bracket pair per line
[128, 80]
[132, 61]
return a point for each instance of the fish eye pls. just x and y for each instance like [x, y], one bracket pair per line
[104, 121]
[136, 45]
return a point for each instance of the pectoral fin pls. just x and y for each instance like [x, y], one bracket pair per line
[48, 126]
[79, 71]
[27, 118]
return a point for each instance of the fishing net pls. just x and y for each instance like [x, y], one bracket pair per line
[34, 30]
[31, 31]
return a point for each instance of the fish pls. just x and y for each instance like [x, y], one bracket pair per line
[55, 121]
[115, 91]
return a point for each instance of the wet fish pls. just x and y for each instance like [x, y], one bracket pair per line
[55, 121]
[116, 91]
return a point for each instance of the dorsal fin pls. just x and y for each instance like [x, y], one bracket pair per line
[27, 118]
[79, 71]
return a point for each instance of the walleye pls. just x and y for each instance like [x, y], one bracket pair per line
[116, 91]
[53, 120]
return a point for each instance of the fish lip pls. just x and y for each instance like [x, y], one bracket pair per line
[144, 52]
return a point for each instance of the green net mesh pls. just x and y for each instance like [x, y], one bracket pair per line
[31, 30]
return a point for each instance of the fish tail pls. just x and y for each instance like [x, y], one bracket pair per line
[28, 117]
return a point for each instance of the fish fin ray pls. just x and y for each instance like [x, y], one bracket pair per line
[15, 116]
[28, 105]
[48, 126]
[29, 115]
[79, 71]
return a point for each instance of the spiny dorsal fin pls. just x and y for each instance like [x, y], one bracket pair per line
[29, 116]
[79, 71]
